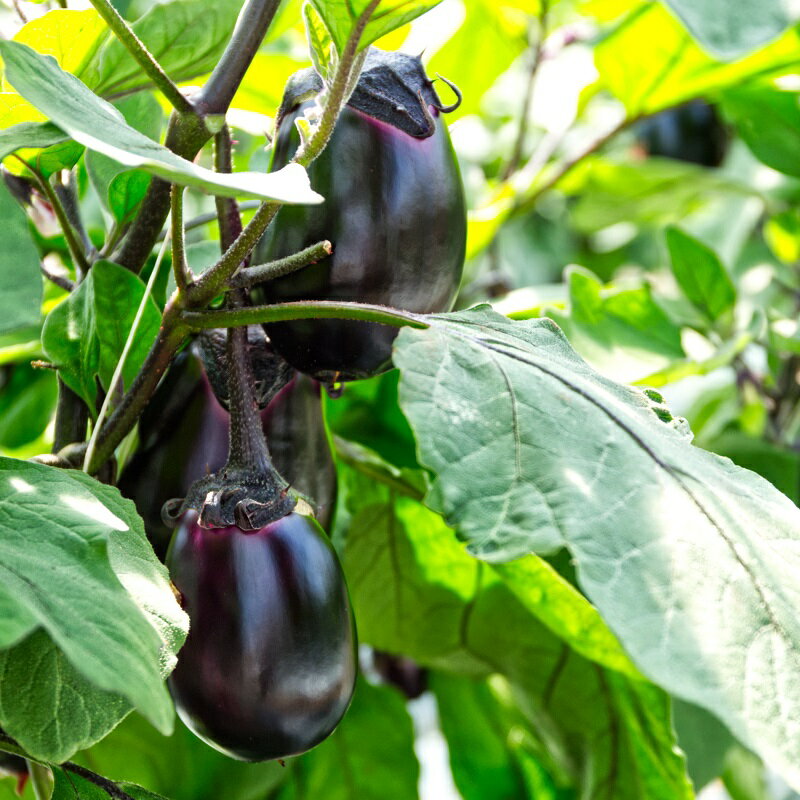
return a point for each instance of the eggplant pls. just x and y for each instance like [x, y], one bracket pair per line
[184, 436]
[269, 666]
[395, 214]
[693, 133]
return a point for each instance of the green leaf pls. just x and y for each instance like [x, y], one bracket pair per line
[372, 749]
[320, 44]
[21, 298]
[121, 190]
[187, 37]
[179, 766]
[29, 134]
[85, 334]
[41, 686]
[341, 16]
[532, 450]
[71, 786]
[700, 274]
[99, 126]
[650, 62]
[730, 30]
[27, 403]
[416, 591]
[490, 751]
[621, 332]
[769, 122]
[704, 739]
[75, 564]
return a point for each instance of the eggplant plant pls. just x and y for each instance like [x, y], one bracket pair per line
[285, 504]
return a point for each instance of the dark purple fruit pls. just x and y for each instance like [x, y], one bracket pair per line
[184, 436]
[693, 132]
[394, 211]
[269, 666]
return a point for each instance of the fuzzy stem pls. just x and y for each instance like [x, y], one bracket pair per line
[180, 267]
[310, 309]
[247, 446]
[260, 273]
[228, 216]
[142, 55]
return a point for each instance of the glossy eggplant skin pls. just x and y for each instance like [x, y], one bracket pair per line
[693, 133]
[395, 213]
[269, 666]
[184, 436]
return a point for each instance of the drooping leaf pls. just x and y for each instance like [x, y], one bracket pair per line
[21, 297]
[121, 190]
[769, 122]
[688, 558]
[417, 592]
[49, 703]
[372, 749]
[75, 565]
[730, 30]
[700, 274]
[341, 16]
[29, 134]
[650, 62]
[85, 334]
[99, 126]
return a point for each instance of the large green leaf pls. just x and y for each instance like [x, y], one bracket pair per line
[21, 297]
[417, 592]
[371, 750]
[340, 17]
[39, 686]
[84, 335]
[690, 560]
[75, 565]
[730, 29]
[99, 126]
[650, 62]
[121, 190]
[27, 402]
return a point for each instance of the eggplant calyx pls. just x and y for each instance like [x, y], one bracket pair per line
[392, 88]
[249, 499]
[270, 372]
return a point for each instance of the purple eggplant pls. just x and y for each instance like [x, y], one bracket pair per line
[394, 212]
[184, 436]
[269, 666]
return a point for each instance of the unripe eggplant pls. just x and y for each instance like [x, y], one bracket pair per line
[395, 214]
[269, 666]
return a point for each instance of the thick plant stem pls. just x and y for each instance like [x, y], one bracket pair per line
[251, 27]
[260, 273]
[310, 309]
[142, 55]
[123, 418]
[188, 133]
[72, 417]
[248, 448]
[180, 267]
[228, 216]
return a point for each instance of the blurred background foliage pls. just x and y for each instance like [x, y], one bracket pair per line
[632, 172]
